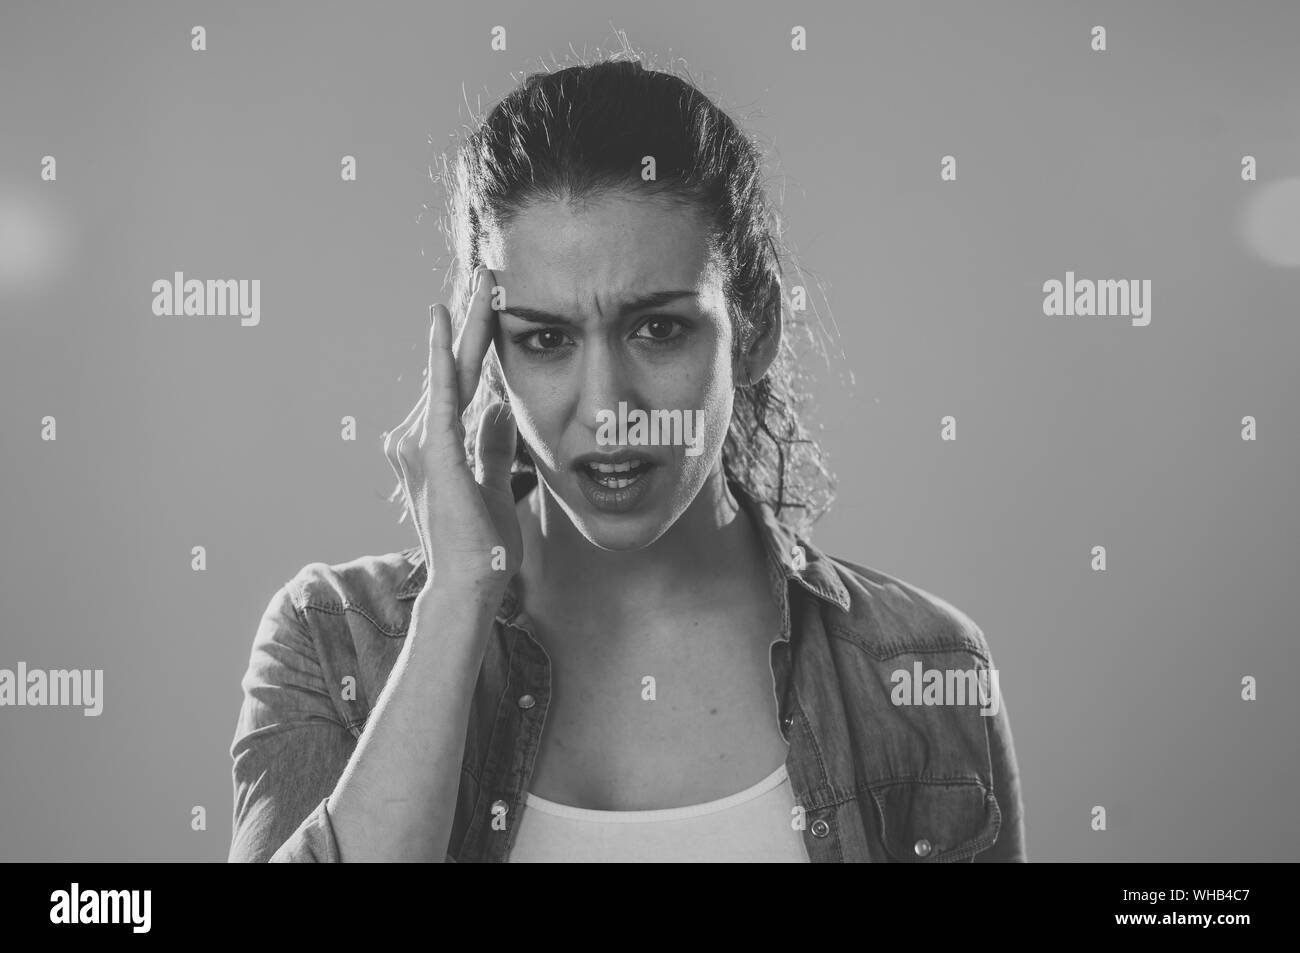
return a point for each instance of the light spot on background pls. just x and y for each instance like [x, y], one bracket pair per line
[1270, 222]
[35, 243]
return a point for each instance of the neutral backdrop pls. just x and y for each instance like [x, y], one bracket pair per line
[1123, 687]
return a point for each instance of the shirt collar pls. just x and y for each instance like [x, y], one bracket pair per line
[800, 561]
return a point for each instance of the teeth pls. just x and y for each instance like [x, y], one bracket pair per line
[615, 467]
[605, 473]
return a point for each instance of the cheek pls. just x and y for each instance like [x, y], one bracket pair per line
[716, 390]
[715, 397]
[709, 392]
[706, 384]
[717, 415]
[532, 411]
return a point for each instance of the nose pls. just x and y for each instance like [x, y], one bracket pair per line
[604, 380]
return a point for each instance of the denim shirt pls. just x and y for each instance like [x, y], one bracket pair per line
[872, 780]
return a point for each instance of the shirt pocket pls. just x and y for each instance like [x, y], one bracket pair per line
[936, 821]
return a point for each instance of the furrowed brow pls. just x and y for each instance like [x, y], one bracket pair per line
[654, 300]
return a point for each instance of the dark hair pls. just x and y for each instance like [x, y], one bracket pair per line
[581, 132]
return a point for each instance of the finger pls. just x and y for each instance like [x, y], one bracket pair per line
[476, 336]
[409, 445]
[411, 473]
[392, 437]
[442, 409]
[495, 446]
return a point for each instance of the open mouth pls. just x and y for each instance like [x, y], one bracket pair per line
[616, 476]
[616, 482]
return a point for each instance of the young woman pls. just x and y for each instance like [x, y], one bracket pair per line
[614, 641]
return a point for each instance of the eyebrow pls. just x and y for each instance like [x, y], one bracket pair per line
[654, 300]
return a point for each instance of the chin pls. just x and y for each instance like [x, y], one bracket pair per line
[628, 537]
[620, 519]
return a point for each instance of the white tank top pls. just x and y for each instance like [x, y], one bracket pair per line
[756, 825]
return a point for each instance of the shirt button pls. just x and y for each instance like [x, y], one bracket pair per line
[527, 701]
[820, 828]
[922, 848]
[787, 722]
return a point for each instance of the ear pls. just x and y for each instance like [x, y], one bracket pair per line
[766, 343]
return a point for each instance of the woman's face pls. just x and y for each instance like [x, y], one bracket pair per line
[588, 354]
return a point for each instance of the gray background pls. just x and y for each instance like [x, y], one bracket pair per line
[1123, 686]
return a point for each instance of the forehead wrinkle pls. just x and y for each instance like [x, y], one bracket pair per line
[590, 258]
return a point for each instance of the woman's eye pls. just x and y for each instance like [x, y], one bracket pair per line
[536, 342]
[661, 329]
[551, 342]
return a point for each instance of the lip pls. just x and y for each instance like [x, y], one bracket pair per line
[610, 500]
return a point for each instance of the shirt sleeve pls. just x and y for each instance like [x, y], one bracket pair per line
[290, 746]
[1010, 845]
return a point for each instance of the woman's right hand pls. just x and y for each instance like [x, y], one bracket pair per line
[462, 515]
